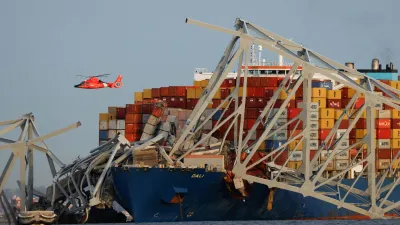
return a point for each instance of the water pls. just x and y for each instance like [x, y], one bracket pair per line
[287, 222]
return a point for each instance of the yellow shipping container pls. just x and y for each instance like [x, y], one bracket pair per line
[396, 164]
[327, 113]
[199, 91]
[197, 83]
[204, 83]
[360, 133]
[138, 96]
[104, 116]
[217, 94]
[292, 145]
[326, 123]
[225, 105]
[395, 114]
[283, 95]
[191, 93]
[395, 133]
[210, 106]
[147, 93]
[318, 93]
[334, 94]
[262, 146]
[394, 84]
[396, 143]
[294, 164]
[321, 102]
[351, 92]
[338, 113]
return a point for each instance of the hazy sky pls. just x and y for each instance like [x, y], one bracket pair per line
[44, 44]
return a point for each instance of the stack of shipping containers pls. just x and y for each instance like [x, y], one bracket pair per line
[326, 108]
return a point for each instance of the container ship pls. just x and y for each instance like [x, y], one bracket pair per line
[151, 189]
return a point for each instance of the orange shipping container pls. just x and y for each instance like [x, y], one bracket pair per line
[133, 118]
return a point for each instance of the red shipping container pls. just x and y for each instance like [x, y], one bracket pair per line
[252, 113]
[345, 101]
[133, 128]
[121, 111]
[171, 102]
[268, 81]
[133, 108]
[269, 92]
[253, 82]
[383, 123]
[353, 134]
[251, 103]
[345, 92]
[225, 92]
[132, 137]
[383, 133]
[147, 108]
[394, 154]
[280, 79]
[261, 103]
[352, 141]
[387, 107]
[191, 103]
[293, 112]
[344, 124]
[155, 92]
[383, 154]
[133, 118]
[334, 103]
[164, 91]
[216, 103]
[359, 103]
[323, 133]
[299, 93]
[361, 124]
[292, 125]
[181, 91]
[313, 153]
[283, 156]
[291, 103]
[230, 82]
[395, 123]
[228, 112]
[251, 122]
[181, 102]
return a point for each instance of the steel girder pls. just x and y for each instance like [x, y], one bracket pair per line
[309, 177]
[23, 149]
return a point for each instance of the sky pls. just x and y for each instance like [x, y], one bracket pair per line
[45, 44]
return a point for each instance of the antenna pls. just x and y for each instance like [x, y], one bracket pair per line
[259, 54]
[252, 56]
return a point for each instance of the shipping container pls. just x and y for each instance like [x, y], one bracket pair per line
[314, 125]
[314, 135]
[326, 123]
[334, 104]
[103, 125]
[138, 96]
[383, 143]
[133, 118]
[103, 135]
[383, 164]
[295, 145]
[112, 124]
[133, 109]
[121, 111]
[104, 116]
[326, 113]
[147, 93]
[334, 94]
[341, 164]
[112, 133]
[321, 102]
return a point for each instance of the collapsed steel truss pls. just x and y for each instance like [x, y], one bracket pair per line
[23, 149]
[309, 177]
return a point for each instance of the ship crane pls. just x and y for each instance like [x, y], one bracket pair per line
[308, 179]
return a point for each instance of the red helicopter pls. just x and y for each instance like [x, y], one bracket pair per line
[93, 82]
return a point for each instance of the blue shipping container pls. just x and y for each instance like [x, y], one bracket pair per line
[217, 115]
[322, 84]
[383, 76]
[269, 144]
[103, 135]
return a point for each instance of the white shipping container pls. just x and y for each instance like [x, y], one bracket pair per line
[203, 160]
[280, 135]
[344, 144]
[313, 144]
[279, 123]
[383, 164]
[324, 154]
[122, 132]
[314, 135]
[341, 164]
[340, 132]
[314, 116]
[112, 124]
[208, 125]
[343, 155]
[103, 125]
[121, 124]
[384, 114]
[314, 125]
[314, 106]
[383, 144]
[112, 133]
[283, 115]
[296, 156]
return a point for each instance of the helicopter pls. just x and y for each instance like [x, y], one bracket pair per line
[93, 82]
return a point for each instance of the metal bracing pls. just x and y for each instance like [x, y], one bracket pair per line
[23, 149]
[309, 179]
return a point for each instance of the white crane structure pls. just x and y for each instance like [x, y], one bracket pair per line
[308, 179]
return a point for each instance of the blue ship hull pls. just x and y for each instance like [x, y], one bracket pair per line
[147, 193]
